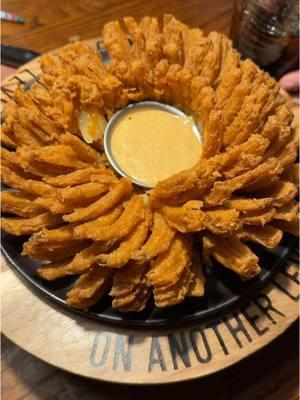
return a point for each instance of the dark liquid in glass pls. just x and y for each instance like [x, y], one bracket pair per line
[267, 31]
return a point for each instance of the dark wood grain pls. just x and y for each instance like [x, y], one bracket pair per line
[54, 23]
[271, 374]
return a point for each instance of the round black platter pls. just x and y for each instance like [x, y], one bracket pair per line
[223, 288]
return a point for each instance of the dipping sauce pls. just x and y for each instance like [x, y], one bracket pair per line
[150, 144]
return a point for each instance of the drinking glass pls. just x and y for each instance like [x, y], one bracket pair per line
[267, 31]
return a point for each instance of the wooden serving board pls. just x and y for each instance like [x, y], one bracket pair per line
[142, 356]
[138, 356]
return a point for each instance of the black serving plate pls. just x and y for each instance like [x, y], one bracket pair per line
[224, 289]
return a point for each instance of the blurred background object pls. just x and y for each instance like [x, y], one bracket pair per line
[15, 56]
[267, 31]
[290, 82]
[11, 17]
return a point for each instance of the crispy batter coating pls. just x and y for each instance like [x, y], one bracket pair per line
[53, 205]
[46, 237]
[14, 131]
[83, 231]
[81, 263]
[260, 217]
[230, 76]
[188, 218]
[59, 155]
[53, 270]
[173, 44]
[280, 192]
[77, 177]
[128, 278]
[139, 302]
[90, 287]
[130, 244]
[287, 212]
[260, 176]
[82, 195]
[57, 105]
[158, 242]
[58, 251]
[30, 186]
[174, 294]
[233, 254]
[249, 117]
[105, 203]
[196, 288]
[23, 158]
[84, 152]
[169, 266]
[220, 220]
[213, 134]
[133, 212]
[7, 140]
[26, 226]
[80, 214]
[249, 158]
[15, 163]
[85, 258]
[245, 204]
[79, 72]
[213, 59]
[201, 178]
[20, 204]
[153, 39]
[267, 235]
[129, 290]
[41, 128]
[234, 103]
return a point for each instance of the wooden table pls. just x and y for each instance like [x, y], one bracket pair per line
[271, 373]
[53, 23]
